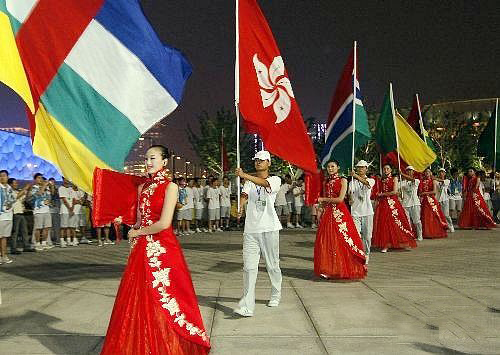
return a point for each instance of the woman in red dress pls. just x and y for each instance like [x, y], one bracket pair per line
[156, 310]
[475, 213]
[338, 250]
[391, 228]
[434, 223]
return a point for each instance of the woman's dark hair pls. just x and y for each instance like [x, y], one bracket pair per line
[333, 161]
[471, 168]
[165, 154]
[389, 165]
[10, 181]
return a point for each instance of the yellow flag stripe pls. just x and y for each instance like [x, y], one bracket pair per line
[56, 144]
[412, 148]
[12, 71]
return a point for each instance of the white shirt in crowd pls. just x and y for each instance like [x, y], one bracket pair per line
[225, 196]
[64, 192]
[361, 204]
[410, 192]
[289, 194]
[443, 190]
[260, 212]
[18, 206]
[204, 190]
[213, 194]
[6, 214]
[198, 197]
[189, 203]
[40, 202]
[298, 200]
[281, 195]
[77, 208]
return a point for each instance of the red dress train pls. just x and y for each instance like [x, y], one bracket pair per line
[391, 228]
[475, 213]
[338, 250]
[434, 223]
[156, 310]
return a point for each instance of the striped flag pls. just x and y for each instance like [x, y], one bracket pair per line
[98, 77]
[347, 126]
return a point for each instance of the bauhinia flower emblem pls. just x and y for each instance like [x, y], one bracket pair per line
[275, 87]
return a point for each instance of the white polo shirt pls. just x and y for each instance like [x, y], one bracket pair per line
[64, 192]
[443, 190]
[213, 194]
[298, 200]
[360, 196]
[225, 196]
[410, 192]
[260, 213]
[281, 195]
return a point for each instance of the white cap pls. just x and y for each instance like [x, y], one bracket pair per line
[362, 163]
[262, 155]
[442, 169]
[409, 167]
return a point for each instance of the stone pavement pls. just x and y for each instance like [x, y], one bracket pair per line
[443, 298]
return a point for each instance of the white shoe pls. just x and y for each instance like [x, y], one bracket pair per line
[244, 312]
[298, 226]
[273, 302]
[289, 225]
[84, 241]
[6, 260]
[191, 232]
[219, 230]
[205, 230]
[367, 258]
[38, 247]
[47, 247]
[75, 242]
[384, 250]
[62, 243]
[452, 229]
[100, 244]
[314, 226]
[198, 230]
[209, 231]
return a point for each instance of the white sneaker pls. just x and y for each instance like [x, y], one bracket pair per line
[209, 231]
[244, 312]
[198, 230]
[273, 302]
[219, 230]
[75, 242]
[84, 241]
[367, 258]
[205, 230]
[314, 226]
[38, 247]
[47, 246]
[384, 250]
[289, 225]
[6, 260]
[100, 244]
[62, 243]
[298, 226]
[191, 232]
[452, 229]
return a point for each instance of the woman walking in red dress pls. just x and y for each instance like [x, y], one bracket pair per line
[434, 223]
[338, 250]
[475, 213]
[391, 228]
[156, 310]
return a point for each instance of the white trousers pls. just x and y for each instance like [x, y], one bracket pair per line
[267, 243]
[364, 225]
[445, 206]
[413, 214]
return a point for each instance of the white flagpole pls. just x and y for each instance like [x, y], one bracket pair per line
[421, 121]
[237, 100]
[395, 129]
[354, 106]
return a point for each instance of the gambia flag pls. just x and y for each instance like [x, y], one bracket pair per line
[94, 76]
[394, 134]
[347, 125]
[489, 141]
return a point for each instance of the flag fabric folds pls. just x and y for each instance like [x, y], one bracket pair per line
[98, 76]
[394, 134]
[264, 92]
[347, 119]
[416, 122]
[489, 140]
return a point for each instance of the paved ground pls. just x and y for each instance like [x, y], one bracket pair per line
[443, 298]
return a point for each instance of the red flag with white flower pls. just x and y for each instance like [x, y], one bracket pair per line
[266, 98]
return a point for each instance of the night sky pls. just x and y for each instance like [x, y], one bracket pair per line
[444, 50]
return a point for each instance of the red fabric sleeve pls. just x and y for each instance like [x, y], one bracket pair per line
[313, 184]
[115, 194]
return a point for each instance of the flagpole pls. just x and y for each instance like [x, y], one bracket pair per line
[354, 106]
[421, 121]
[395, 129]
[237, 100]
[495, 150]
[222, 152]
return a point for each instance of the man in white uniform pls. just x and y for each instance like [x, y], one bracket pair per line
[444, 198]
[281, 204]
[360, 189]
[65, 212]
[410, 200]
[261, 233]
[298, 201]
[225, 203]
[42, 219]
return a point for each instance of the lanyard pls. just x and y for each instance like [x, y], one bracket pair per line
[259, 189]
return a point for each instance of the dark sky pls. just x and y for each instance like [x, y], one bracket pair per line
[444, 50]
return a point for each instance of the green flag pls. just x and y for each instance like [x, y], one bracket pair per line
[385, 133]
[488, 145]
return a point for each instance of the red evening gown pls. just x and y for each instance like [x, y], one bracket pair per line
[391, 228]
[338, 250]
[475, 212]
[434, 223]
[156, 310]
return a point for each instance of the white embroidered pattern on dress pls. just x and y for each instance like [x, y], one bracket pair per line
[161, 276]
[477, 202]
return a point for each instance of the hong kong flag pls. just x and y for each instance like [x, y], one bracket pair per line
[266, 98]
